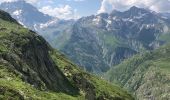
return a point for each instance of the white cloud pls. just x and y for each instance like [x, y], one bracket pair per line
[79, 0]
[32, 1]
[1, 1]
[156, 5]
[76, 0]
[29, 1]
[62, 12]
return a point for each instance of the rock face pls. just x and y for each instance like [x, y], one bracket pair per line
[31, 69]
[30, 57]
[146, 75]
[6, 16]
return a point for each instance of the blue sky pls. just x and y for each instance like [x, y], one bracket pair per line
[68, 9]
[77, 8]
[73, 9]
[84, 8]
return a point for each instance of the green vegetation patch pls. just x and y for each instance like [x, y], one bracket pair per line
[101, 88]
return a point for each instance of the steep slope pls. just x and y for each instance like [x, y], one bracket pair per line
[25, 13]
[5, 16]
[31, 69]
[27, 53]
[147, 75]
[91, 86]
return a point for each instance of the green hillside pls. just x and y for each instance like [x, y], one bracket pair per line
[147, 75]
[31, 70]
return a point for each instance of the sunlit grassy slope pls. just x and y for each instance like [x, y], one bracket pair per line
[31, 69]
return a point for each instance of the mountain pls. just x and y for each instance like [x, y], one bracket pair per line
[99, 42]
[31, 69]
[52, 29]
[147, 74]
[25, 13]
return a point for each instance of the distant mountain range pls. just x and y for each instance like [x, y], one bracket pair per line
[101, 41]
[105, 40]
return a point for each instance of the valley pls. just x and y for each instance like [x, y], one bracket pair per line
[117, 55]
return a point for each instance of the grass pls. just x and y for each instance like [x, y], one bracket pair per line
[148, 72]
[10, 81]
[108, 39]
[165, 37]
[101, 87]
[12, 85]
[12, 38]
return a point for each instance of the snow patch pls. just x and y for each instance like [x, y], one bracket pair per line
[97, 20]
[109, 21]
[165, 29]
[128, 19]
[22, 24]
[114, 18]
[49, 23]
[164, 17]
[17, 12]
